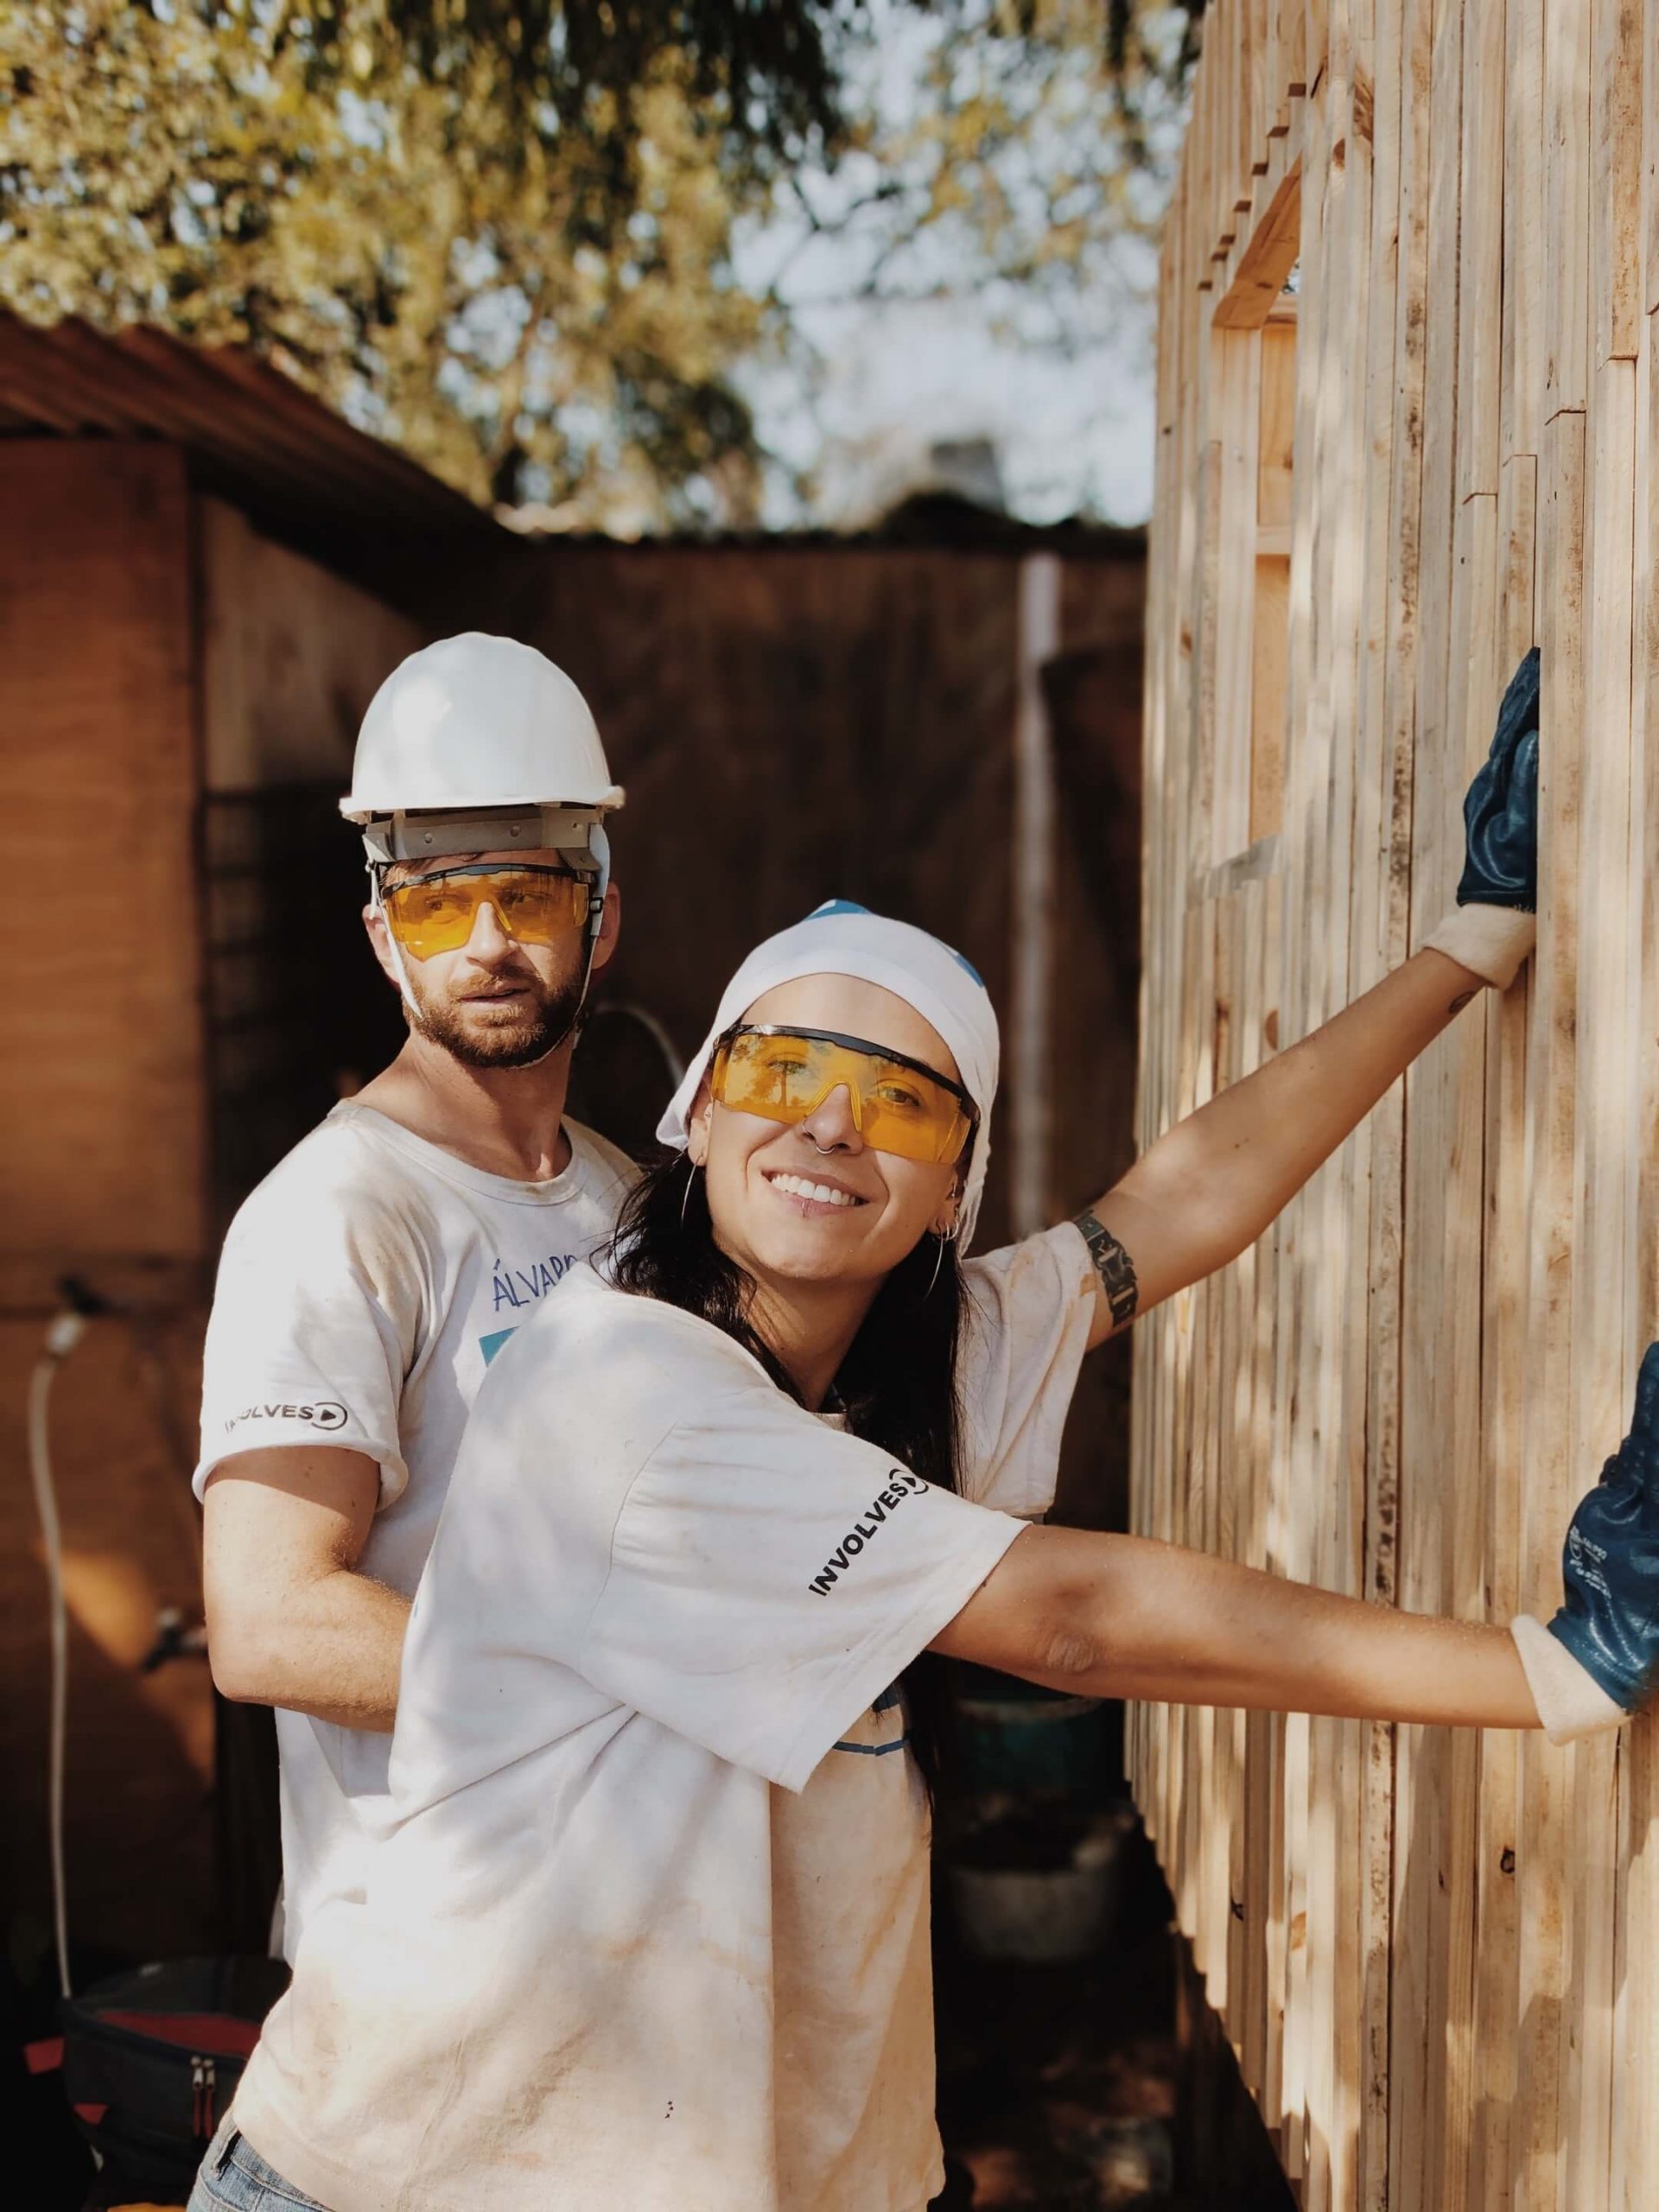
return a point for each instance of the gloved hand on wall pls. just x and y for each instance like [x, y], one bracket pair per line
[1494, 924]
[1597, 1661]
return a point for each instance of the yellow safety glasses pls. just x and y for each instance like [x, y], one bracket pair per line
[533, 905]
[899, 1105]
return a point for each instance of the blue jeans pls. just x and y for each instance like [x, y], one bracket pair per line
[235, 2178]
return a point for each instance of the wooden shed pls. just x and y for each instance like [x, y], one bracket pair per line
[1408, 398]
[203, 576]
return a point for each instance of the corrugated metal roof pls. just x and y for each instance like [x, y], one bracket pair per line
[296, 466]
[252, 432]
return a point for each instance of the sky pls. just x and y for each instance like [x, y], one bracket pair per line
[1065, 395]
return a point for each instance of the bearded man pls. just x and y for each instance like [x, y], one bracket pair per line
[368, 1282]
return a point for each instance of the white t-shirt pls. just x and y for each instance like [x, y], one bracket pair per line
[648, 1927]
[364, 1288]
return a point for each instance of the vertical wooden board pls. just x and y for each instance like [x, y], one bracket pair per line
[1480, 285]
[1166, 620]
[1276, 446]
[1474, 686]
[1205, 808]
[1214, 143]
[1293, 41]
[1235, 388]
[1257, 115]
[1616, 303]
[1172, 942]
[1425, 1911]
[1536, 2132]
[1194, 204]
[1309, 764]
[1496, 1992]
[1224, 134]
[1605, 1195]
[1217, 1780]
[1380, 893]
[1176, 1320]
[1636, 2088]
[1498, 2000]
[1203, 127]
[1284, 1540]
[1523, 378]
[1270, 685]
[1318, 20]
[1262, 1729]
[1334, 1383]
[1241, 1514]
[1473, 691]
[1567, 204]
[1270, 628]
[1246, 59]
[1307, 740]
[1191, 1727]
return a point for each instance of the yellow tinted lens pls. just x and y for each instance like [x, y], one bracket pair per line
[437, 914]
[906, 1113]
[429, 917]
[896, 1108]
[776, 1077]
[538, 909]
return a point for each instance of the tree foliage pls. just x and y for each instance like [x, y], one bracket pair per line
[500, 231]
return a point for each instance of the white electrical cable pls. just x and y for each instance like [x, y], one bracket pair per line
[64, 1334]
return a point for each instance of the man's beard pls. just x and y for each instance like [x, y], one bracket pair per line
[515, 1040]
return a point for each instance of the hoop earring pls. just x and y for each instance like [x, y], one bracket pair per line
[939, 1243]
[691, 1178]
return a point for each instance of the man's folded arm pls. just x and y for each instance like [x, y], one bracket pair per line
[291, 1621]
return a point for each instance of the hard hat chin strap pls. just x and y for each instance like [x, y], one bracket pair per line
[376, 870]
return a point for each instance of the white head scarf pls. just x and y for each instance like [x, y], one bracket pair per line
[840, 938]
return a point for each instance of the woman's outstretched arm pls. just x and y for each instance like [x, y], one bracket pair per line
[1210, 1187]
[1120, 1617]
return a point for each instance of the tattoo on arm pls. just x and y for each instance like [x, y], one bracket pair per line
[1114, 1267]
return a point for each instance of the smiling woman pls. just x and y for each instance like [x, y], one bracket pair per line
[648, 1922]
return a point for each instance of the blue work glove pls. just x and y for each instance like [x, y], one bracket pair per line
[1597, 1661]
[1500, 813]
[1492, 928]
[1610, 1622]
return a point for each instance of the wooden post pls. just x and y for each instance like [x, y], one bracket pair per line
[1038, 636]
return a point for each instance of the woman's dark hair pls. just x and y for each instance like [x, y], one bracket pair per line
[897, 1385]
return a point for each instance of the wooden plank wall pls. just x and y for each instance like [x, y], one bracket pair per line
[151, 643]
[1434, 1954]
[291, 655]
[104, 1175]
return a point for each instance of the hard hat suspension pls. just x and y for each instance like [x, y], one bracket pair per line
[430, 835]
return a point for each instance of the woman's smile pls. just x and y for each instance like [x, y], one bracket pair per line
[812, 1195]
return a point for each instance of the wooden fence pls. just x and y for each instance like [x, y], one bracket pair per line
[1408, 398]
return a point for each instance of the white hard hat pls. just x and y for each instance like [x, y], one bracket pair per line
[474, 745]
